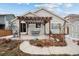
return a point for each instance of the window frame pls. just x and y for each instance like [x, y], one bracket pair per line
[58, 26]
[38, 25]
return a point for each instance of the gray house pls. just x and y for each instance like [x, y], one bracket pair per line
[5, 20]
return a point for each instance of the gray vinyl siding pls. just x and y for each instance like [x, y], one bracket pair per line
[5, 19]
[9, 17]
[2, 21]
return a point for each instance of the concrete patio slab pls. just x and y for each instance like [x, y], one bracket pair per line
[71, 49]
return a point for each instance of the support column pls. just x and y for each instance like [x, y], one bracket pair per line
[44, 29]
[49, 30]
[19, 28]
[27, 28]
[22, 27]
[59, 28]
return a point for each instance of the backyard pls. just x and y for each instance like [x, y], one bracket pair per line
[10, 47]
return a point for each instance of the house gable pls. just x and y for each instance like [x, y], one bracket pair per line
[44, 12]
[30, 14]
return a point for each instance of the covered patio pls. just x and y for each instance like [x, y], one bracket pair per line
[39, 20]
[34, 20]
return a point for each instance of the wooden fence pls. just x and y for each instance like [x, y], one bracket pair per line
[5, 32]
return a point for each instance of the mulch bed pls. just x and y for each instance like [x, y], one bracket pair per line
[47, 43]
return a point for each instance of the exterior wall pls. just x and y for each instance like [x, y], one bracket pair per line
[32, 27]
[7, 19]
[16, 26]
[42, 13]
[55, 19]
[74, 29]
[29, 14]
[2, 21]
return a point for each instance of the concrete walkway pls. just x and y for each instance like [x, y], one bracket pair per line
[26, 37]
[71, 49]
[7, 37]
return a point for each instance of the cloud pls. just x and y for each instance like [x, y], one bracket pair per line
[67, 5]
[71, 12]
[57, 8]
[2, 11]
[49, 5]
[23, 3]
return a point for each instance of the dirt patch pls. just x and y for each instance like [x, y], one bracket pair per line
[11, 48]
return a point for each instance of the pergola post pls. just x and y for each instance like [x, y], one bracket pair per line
[27, 28]
[49, 30]
[44, 29]
[19, 27]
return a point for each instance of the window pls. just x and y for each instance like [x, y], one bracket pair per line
[38, 25]
[56, 28]
[56, 25]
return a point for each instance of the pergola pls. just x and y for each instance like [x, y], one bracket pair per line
[33, 20]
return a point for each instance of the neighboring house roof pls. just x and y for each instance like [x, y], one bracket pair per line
[72, 17]
[5, 14]
[14, 19]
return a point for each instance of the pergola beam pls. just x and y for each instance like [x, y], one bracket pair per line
[33, 18]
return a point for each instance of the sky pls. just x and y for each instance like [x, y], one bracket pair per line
[62, 9]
